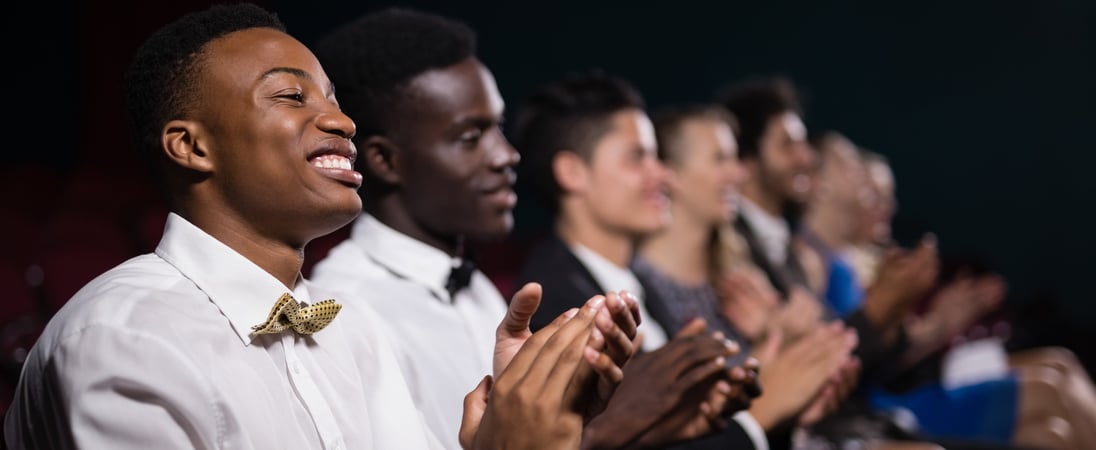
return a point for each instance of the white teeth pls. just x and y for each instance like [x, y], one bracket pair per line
[333, 162]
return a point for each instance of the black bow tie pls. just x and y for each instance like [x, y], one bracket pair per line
[460, 277]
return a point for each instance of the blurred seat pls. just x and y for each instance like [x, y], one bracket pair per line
[107, 192]
[19, 235]
[150, 227]
[30, 188]
[65, 270]
[18, 295]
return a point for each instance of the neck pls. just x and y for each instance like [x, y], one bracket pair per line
[763, 199]
[279, 257]
[826, 227]
[615, 247]
[681, 250]
[390, 211]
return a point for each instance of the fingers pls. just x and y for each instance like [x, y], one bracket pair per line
[604, 366]
[767, 352]
[681, 354]
[696, 373]
[475, 404]
[562, 354]
[617, 325]
[523, 360]
[632, 304]
[522, 307]
[694, 327]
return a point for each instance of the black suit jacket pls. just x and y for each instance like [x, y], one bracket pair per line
[568, 284]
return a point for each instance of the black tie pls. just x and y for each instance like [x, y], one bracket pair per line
[459, 277]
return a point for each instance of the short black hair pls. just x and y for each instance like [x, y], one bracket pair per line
[753, 102]
[668, 121]
[372, 58]
[161, 81]
[570, 114]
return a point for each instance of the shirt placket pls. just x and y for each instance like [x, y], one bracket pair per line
[309, 394]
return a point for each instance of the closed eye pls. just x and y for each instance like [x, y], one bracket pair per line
[295, 95]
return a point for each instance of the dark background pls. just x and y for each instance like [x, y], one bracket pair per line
[985, 108]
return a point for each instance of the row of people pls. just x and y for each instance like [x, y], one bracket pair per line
[671, 306]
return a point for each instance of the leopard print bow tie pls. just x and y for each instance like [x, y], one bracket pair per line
[289, 313]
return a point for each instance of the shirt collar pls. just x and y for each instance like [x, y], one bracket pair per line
[773, 231]
[607, 274]
[403, 255]
[244, 292]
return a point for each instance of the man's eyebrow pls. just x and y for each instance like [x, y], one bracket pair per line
[290, 70]
[478, 121]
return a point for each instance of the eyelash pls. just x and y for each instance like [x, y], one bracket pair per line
[296, 96]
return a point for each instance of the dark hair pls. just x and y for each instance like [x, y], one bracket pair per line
[571, 114]
[753, 102]
[669, 120]
[371, 59]
[161, 82]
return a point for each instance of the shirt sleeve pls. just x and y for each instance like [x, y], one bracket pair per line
[118, 389]
[752, 429]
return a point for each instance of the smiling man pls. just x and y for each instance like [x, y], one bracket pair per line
[438, 175]
[215, 340]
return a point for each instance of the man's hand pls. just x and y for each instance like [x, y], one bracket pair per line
[799, 373]
[905, 276]
[615, 338]
[529, 405]
[667, 395]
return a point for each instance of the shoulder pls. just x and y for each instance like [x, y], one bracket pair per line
[144, 296]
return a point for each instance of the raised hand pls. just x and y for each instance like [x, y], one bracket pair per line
[615, 338]
[748, 301]
[617, 323]
[667, 394]
[798, 374]
[799, 316]
[905, 276]
[531, 403]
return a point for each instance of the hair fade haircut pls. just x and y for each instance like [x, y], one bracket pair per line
[571, 114]
[161, 83]
[372, 59]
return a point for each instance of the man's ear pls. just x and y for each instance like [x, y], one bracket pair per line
[571, 171]
[182, 143]
[381, 158]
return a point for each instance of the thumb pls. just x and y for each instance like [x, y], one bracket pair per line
[475, 404]
[522, 306]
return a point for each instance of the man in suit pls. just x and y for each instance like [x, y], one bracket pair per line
[779, 161]
[590, 157]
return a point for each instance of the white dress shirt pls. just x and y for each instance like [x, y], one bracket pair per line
[445, 346]
[157, 353]
[772, 231]
[614, 278]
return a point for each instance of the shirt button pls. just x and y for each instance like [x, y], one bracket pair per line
[296, 368]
